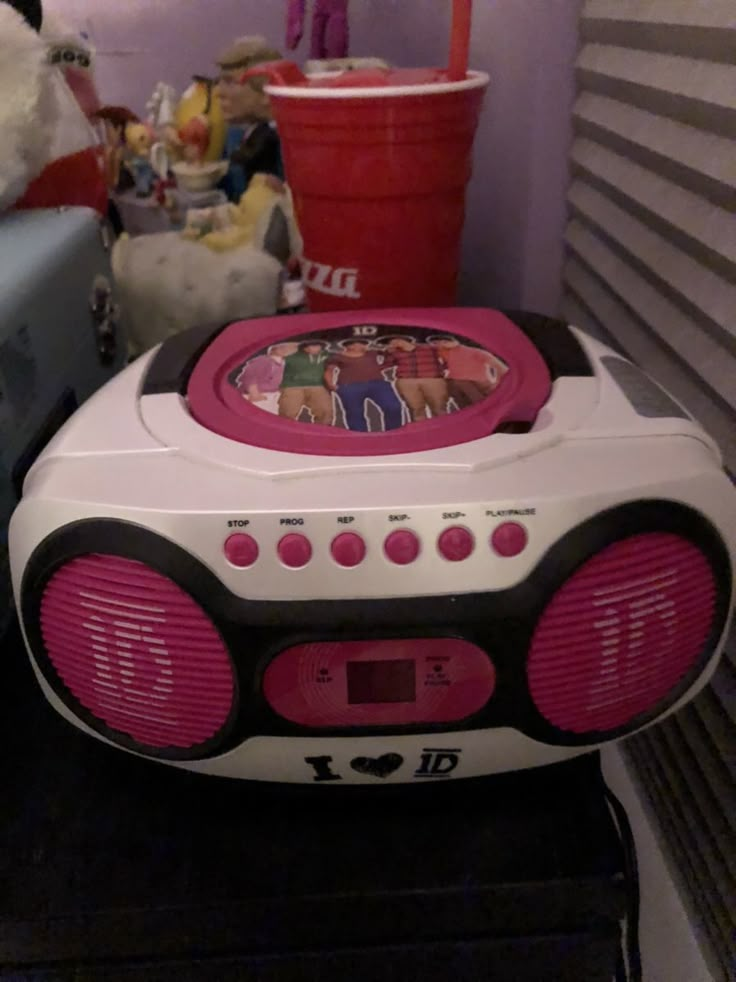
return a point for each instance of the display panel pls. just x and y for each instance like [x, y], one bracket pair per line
[381, 681]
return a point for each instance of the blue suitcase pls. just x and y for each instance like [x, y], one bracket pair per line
[60, 339]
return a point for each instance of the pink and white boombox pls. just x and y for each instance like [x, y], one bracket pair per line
[392, 546]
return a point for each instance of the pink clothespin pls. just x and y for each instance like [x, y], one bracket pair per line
[330, 30]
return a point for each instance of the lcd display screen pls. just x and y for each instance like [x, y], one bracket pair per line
[381, 681]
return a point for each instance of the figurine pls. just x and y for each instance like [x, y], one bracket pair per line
[114, 120]
[190, 135]
[195, 139]
[200, 101]
[227, 227]
[330, 33]
[252, 145]
[160, 107]
[137, 157]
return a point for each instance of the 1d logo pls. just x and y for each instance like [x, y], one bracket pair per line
[434, 762]
[438, 762]
[340, 282]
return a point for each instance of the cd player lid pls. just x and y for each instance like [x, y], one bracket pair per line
[369, 383]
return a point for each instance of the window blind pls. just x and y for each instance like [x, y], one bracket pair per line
[651, 269]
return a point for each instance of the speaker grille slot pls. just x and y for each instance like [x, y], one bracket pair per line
[621, 633]
[137, 652]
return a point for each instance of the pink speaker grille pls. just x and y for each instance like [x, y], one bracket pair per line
[137, 652]
[621, 633]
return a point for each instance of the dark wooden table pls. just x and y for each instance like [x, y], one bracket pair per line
[116, 868]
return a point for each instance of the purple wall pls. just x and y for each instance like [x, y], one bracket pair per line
[516, 207]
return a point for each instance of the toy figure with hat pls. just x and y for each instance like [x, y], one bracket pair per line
[252, 145]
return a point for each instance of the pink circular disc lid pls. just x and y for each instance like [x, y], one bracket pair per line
[368, 383]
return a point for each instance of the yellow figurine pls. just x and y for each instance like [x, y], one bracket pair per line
[230, 226]
[201, 100]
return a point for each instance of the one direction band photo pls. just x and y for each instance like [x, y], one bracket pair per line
[368, 378]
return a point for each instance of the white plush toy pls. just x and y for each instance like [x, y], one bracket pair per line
[28, 106]
[172, 281]
[167, 283]
[49, 151]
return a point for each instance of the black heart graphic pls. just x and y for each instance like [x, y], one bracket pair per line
[377, 766]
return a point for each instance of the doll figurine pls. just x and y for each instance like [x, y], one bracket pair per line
[138, 142]
[114, 120]
[200, 101]
[194, 137]
[160, 107]
[252, 144]
[330, 33]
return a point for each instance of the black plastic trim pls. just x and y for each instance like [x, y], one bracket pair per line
[174, 361]
[553, 339]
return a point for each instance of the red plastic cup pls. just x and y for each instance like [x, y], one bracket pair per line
[378, 164]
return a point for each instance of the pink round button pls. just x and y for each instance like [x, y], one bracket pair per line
[294, 550]
[348, 549]
[401, 547]
[241, 550]
[456, 543]
[509, 539]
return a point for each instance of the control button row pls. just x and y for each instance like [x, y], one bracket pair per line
[401, 547]
[456, 543]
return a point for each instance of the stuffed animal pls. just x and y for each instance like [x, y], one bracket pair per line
[49, 155]
[28, 106]
[167, 284]
[30, 10]
[74, 56]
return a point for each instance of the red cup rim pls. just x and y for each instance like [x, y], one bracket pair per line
[474, 80]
